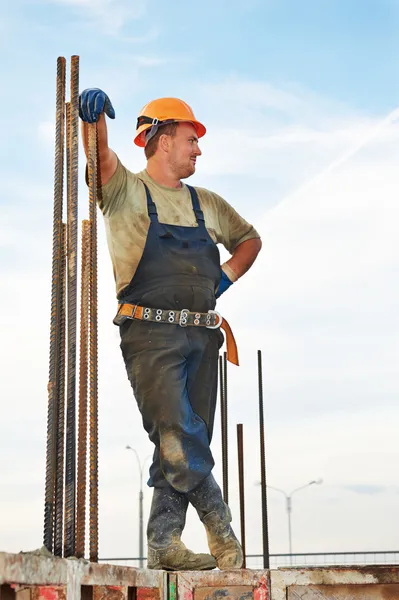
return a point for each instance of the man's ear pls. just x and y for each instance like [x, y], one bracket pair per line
[164, 142]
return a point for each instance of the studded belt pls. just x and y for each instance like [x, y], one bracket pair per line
[183, 318]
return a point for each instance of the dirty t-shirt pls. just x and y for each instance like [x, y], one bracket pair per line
[124, 207]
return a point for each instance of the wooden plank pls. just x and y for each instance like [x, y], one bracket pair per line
[386, 591]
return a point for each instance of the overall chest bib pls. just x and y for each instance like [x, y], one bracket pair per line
[180, 266]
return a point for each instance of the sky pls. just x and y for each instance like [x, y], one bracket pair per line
[301, 104]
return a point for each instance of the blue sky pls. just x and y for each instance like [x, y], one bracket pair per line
[344, 49]
[301, 104]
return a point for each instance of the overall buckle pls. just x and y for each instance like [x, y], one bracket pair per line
[183, 317]
[208, 320]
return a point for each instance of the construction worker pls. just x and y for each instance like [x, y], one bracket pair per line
[162, 236]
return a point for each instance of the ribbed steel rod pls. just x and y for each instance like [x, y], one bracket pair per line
[265, 530]
[222, 423]
[72, 222]
[94, 180]
[225, 447]
[241, 484]
[55, 299]
[59, 483]
[70, 468]
[83, 380]
[221, 394]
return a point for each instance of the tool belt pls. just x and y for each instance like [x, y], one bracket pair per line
[184, 318]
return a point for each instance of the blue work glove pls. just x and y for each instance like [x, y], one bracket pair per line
[224, 284]
[93, 102]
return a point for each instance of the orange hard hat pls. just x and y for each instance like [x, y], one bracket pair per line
[163, 111]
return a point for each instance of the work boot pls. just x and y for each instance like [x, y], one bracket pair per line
[222, 542]
[165, 526]
[216, 516]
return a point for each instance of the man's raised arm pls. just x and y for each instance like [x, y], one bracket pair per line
[94, 104]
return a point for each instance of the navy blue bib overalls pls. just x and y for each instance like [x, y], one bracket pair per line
[173, 370]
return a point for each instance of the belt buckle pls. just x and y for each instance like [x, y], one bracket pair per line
[183, 317]
[218, 323]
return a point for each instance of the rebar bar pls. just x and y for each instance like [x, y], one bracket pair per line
[69, 499]
[72, 222]
[59, 482]
[221, 396]
[225, 449]
[241, 484]
[83, 375]
[265, 530]
[55, 298]
[94, 181]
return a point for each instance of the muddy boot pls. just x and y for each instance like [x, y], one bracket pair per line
[165, 526]
[216, 516]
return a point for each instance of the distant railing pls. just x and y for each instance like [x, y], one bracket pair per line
[323, 559]
[314, 559]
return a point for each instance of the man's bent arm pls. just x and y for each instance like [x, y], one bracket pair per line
[242, 259]
[107, 157]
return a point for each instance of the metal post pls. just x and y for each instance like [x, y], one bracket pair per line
[70, 445]
[55, 299]
[141, 523]
[265, 530]
[60, 435]
[93, 183]
[224, 426]
[288, 506]
[289, 510]
[221, 397]
[72, 223]
[83, 373]
[141, 499]
[240, 453]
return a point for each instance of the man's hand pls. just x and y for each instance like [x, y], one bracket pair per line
[224, 285]
[92, 103]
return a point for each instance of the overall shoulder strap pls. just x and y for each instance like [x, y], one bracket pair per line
[151, 208]
[196, 205]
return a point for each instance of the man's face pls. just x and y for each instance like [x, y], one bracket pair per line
[184, 150]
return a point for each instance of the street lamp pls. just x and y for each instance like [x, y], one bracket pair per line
[141, 496]
[288, 500]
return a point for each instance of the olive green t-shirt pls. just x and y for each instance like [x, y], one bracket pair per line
[124, 206]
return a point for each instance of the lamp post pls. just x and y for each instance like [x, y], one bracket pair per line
[141, 496]
[288, 505]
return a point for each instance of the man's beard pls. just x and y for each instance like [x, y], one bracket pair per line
[185, 171]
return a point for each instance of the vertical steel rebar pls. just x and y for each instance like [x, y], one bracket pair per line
[265, 530]
[94, 181]
[221, 391]
[221, 396]
[55, 299]
[241, 484]
[83, 380]
[69, 501]
[225, 448]
[59, 482]
[72, 223]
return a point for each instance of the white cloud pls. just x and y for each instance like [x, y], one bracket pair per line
[285, 135]
[112, 15]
